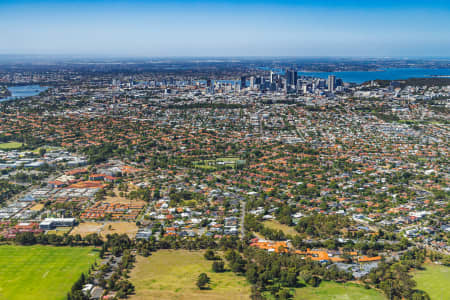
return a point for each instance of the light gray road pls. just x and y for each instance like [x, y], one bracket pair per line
[243, 203]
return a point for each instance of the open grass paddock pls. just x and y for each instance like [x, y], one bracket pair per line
[41, 272]
[329, 290]
[435, 280]
[172, 274]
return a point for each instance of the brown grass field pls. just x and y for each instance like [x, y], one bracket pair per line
[118, 199]
[37, 207]
[120, 227]
[172, 274]
[103, 229]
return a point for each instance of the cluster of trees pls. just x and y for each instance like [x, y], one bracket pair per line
[203, 281]
[76, 292]
[394, 281]
[211, 255]
[198, 243]
[7, 190]
[117, 243]
[116, 281]
[442, 258]
[30, 141]
[144, 194]
[387, 117]
[236, 262]
[394, 278]
[4, 92]
[101, 153]
[252, 224]
[177, 197]
[29, 238]
[24, 177]
[319, 225]
[118, 246]
[274, 272]
[146, 247]
[5, 138]
[284, 214]
[218, 266]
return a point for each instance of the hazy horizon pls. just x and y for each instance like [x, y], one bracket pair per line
[226, 28]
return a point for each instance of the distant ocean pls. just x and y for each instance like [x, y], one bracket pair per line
[386, 74]
[23, 91]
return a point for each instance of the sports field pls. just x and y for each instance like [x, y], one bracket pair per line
[435, 280]
[41, 272]
[329, 290]
[172, 274]
[10, 146]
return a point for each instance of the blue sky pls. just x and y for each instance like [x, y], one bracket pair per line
[226, 28]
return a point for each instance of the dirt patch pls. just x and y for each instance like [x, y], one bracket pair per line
[37, 207]
[127, 228]
[123, 200]
[86, 228]
[118, 199]
[104, 228]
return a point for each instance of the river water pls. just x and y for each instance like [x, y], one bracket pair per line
[24, 91]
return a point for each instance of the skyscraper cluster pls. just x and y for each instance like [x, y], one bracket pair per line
[288, 82]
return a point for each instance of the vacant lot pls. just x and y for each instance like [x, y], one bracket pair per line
[86, 228]
[435, 280]
[103, 229]
[10, 145]
[37, 207]
[118, 199]
[41, 272]
[337, 291]
[273, 224]
[172, 274]
[128, 228]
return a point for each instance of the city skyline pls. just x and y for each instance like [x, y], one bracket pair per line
[225, 28]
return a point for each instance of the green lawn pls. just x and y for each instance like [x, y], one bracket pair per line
[41, 272]
[435, 280]
[172, 274]
[10, 145]
[329, 290]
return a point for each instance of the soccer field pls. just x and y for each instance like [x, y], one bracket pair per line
[41, 272]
